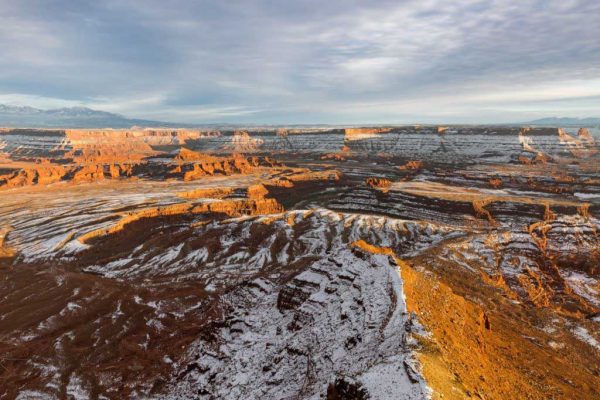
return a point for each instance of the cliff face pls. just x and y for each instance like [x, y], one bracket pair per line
[207, 165]
[351, 134]
[45, 174]
[87, 156]
[464, 144]
[585, 136]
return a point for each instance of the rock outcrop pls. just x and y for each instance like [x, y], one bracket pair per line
[242, 142]
[378, 183]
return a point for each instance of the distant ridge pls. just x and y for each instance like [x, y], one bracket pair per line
[87, 118]
[563, 121]
[72, 117]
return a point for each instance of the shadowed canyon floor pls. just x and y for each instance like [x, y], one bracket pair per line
[382, 263]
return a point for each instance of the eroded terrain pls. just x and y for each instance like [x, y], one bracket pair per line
[402, 262]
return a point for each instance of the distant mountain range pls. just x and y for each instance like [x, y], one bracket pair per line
[73, 117]
[83, 117]
[556, 121]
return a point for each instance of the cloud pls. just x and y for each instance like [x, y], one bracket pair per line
[304, 61]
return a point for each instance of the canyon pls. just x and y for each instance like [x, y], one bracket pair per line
[413, 262]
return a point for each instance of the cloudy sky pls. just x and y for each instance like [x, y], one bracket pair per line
[305, 61]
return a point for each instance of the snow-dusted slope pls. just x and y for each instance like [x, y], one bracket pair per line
[293, 331]
[283, 305]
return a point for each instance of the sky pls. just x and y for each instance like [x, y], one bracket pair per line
[305, 61]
